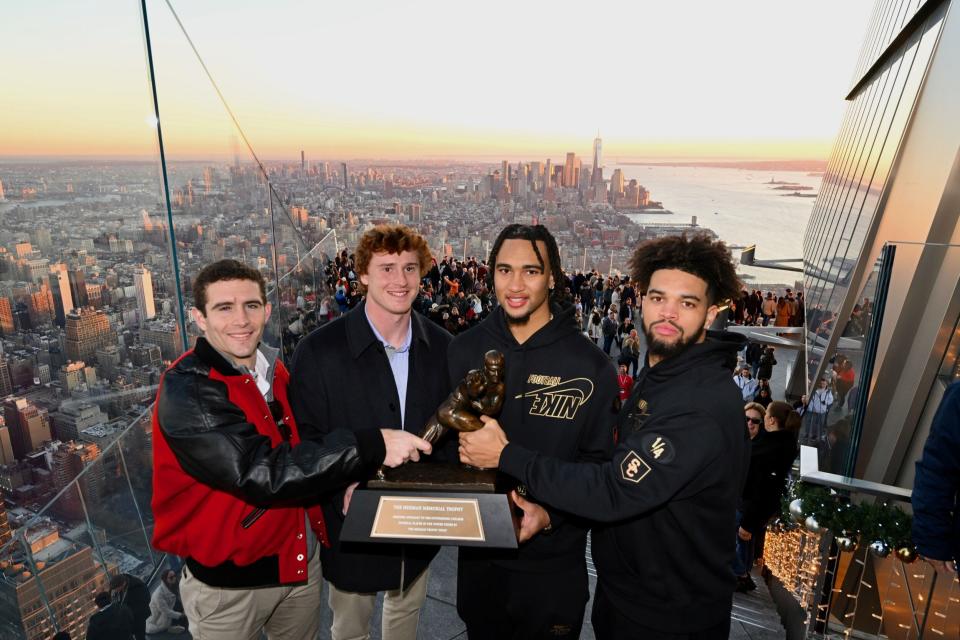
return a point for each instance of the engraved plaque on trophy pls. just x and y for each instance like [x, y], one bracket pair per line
[439, 503]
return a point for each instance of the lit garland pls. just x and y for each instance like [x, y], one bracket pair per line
[881, 526]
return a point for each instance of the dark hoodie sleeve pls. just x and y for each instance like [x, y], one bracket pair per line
[936, 485]
[648, 468]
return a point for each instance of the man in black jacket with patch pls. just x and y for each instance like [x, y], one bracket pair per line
[559, 395]
[380, 365]
[670, 493]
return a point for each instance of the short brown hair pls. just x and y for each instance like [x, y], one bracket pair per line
[697, 254]
[391, 238]
[224, 270]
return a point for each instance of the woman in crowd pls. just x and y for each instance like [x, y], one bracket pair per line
[773, 451]
[783, 313]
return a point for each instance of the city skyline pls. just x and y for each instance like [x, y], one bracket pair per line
[426, 82]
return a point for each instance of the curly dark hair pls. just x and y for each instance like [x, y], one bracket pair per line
[224, 270]
[533, 233]
[697, 254]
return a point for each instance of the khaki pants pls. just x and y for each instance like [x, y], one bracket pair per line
[286, 612]
[401, 612]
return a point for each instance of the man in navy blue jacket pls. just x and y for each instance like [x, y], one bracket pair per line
[936, 486]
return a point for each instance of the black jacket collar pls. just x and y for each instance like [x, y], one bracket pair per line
[360, 336]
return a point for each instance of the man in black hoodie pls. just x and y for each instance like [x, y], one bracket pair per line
[559, 400]
[670, 492]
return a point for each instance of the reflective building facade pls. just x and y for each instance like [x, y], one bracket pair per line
[880, 275]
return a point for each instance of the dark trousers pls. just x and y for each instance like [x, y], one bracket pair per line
[607, 343]
[500, 604]
[610, 624]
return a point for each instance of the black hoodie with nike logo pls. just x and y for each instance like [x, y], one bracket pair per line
[560, 390]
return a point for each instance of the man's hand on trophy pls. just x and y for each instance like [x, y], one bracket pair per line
[482, 448]
[535, 518]
[347, 495]
[402, 447]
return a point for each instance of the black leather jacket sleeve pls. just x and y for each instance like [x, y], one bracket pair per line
[215, 444]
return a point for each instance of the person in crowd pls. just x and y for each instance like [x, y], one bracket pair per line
[771, 457]
[397, 361]
[164, 618]
[763, 395]
[833, 451]
[845, 380]
[539, 590]
[112, 621]
[624, 381]
[782, 313]
[226, 449]
[595, 326]
[752, 355]
[815, 416]
[769, 308]
[746, 383]
[682, 457]
[630, 352]
[936, 489]
[130, 592]
[767, 362]
[609, 329]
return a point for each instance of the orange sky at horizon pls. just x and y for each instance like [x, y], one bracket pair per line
[423, 84]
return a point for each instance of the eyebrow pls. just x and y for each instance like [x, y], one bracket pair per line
[685, 296]
[225, 303]
[523, 266]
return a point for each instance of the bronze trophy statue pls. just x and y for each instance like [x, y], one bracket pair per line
[436, 502]
[479, 393]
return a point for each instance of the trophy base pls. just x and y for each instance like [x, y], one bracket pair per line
[441, 477]
[439, 504]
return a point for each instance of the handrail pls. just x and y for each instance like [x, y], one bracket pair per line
[810, 472]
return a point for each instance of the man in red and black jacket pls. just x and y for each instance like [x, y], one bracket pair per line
[236, 484]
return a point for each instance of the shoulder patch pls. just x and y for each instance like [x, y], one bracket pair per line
[633, 468]
[658, 448]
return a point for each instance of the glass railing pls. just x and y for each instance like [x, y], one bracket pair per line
[97, 525]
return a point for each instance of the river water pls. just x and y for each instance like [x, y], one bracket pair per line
[740, 205]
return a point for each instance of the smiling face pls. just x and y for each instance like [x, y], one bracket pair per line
[676, 313]
[522, 284]
[233, 319]
[392, 281]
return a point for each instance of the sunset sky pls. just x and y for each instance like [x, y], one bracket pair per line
[382, 79]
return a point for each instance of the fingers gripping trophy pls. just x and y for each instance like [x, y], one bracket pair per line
[479, 393]
[450, 503]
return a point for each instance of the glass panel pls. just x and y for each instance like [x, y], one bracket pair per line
[62, 554]
[829, 270]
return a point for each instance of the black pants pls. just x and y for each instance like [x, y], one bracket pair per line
[499, 604]
[611, 624]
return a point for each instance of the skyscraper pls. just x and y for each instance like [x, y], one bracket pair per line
[87, 330]
[597, 152]
[6, 316]
[68, 461]
[616, 186]
[143, 282]
[597, 175]
[60, 288]
[78, 288]
[6, 456]
[568, 170]
[29, 425]
[2, 197]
